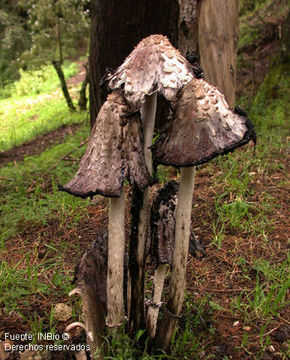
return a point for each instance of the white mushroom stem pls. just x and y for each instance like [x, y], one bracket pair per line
[81, 355]
[180, 255]
[137, 315]
[74, 325]
[155, 303]
[76, 291]
[148, 113]
[94, 322]
[116, 249]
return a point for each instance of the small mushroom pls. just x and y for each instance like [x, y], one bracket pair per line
[91, 277]
[115, 151]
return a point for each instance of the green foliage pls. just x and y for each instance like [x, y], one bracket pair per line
[57, 30]
[270, 108]
[33, 121]
[26, 184]
[14, 39]
[35, 32]
[248, 6]
[42, 80]
[269, 295]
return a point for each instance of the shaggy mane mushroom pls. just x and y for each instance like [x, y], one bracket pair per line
[202, 128]
[154, 66]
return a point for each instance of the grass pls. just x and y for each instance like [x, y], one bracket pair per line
[34, 111]
[40, 81]
[35, 187]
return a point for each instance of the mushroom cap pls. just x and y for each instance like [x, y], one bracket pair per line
[91, 270]
[203, 127]
[115, 151]
[154, 65]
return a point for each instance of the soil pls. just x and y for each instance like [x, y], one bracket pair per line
[37, 145]
[217, 276]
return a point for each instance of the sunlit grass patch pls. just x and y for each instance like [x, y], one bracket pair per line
[25, 122]
[33, 185]
[36, 107]
[40, 81]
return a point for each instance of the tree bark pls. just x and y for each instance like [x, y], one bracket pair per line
[217, 43]
[117, 27]
[83, 98]
[60, 74]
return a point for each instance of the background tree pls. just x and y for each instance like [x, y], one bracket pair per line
[14, 39]
[58, 29]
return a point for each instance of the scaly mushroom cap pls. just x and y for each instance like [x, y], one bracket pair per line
[153, 65]
[91, 270]
[114, 152]
[203, 127]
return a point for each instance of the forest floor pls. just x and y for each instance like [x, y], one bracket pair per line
[233, 308]
[237, 301]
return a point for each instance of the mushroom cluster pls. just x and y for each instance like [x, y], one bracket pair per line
[202, 126]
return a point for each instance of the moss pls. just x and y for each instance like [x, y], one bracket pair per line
[248, 6]
[270, 107]
[248, 35]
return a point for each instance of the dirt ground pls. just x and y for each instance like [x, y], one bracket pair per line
[216, 276]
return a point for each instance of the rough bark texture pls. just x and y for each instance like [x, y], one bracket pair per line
[217, 42]
[187, 26]
[117, 26]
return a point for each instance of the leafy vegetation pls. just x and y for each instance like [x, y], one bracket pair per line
[30, 111]
[272, 99]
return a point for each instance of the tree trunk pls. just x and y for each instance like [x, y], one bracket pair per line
[83, 98]
[60, 74]
[117, 27]
[217, 43]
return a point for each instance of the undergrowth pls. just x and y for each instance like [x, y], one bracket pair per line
[40, 81]
[36, 107]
